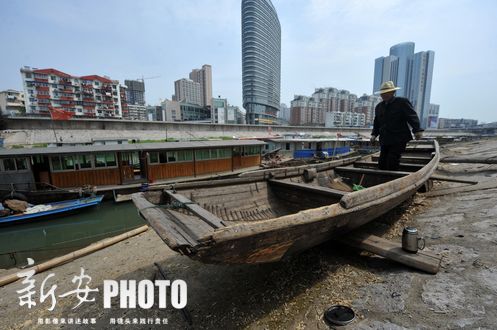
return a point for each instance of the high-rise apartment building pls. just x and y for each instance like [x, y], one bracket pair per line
[135, 92]
[187, 91]
[86, 96]
[346, 108]
[413, 72]
[261, 61]
[204, 78]
[12, 103]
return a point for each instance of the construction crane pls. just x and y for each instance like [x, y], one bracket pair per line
[142, 79]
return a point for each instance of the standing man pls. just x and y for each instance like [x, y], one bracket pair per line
[390, 123]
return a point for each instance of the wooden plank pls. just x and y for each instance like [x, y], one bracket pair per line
[170, 232]
[400, 174]
[470, 160]
[422, 260]
[403, 166]
[409, 159]
[372, 171]
[203, 214]
[451, 179]
[488, 184]
[309, 188]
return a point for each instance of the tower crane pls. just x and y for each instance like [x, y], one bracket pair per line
[147, 78]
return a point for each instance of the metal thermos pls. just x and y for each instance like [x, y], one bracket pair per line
[410, 240]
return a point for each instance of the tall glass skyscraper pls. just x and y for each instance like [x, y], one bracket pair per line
[413, 72]
[261, 61]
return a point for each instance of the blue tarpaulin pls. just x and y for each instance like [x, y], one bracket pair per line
[311, 152]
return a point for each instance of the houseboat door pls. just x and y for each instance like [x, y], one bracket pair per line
[237, 158]
[41, 169]
[132, 167]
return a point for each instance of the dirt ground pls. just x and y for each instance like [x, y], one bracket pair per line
[293, 294]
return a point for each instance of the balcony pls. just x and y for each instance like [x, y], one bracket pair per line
[41, 79]
[42, 88]
[40, 96]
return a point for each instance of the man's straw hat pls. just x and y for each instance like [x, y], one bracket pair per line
[387, 86]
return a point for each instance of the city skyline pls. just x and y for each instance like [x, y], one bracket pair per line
[336, 46]
[412, 72]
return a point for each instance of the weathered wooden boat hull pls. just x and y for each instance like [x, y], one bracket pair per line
[264, 220]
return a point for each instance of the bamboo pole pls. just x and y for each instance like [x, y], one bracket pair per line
[75, 254]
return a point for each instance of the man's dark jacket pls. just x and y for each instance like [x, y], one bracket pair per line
[390, 121]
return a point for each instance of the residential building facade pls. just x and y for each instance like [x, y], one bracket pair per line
[187, 91]
[195, 112]
[456, 123]
[412, 72]
[137, 112]
[346, 108]
[172, 110]
[203, 76]
[86, 96]
[12, 103]
[261, 61]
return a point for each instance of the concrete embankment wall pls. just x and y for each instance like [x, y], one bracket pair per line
[29, 131]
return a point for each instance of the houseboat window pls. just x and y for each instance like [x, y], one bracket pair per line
[100, 160]
[9, 164]
[171, 156]
[224, 153]
[56, 165]
[21, 164]
[252, 150]
[105, 159]
[309, 146]
[110, 159]
[67, 163]
[84, 161]
[202, 154]
[287, 146]
[162, 157]
[185, 155]
[153, 157]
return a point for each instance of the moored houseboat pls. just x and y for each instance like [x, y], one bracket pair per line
[26, 170]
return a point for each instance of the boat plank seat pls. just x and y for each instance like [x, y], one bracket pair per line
[419, 148]
[314, 189]
[409, 159]
[196, 209]
[371, 171]
[403, 166]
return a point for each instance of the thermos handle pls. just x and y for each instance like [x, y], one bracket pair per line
[422, 246]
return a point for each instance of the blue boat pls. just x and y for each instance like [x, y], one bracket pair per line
[57, 208]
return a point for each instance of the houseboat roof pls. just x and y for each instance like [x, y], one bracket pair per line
[333, 139]
[128, 147]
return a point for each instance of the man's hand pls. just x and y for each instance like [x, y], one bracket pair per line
[418, 135]
[372, 138]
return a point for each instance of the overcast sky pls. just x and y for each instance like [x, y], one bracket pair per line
[325, 43]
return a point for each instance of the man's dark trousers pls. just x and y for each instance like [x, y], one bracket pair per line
[390, 156]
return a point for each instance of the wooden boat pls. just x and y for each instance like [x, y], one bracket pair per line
[270, 214]
[53, 209]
